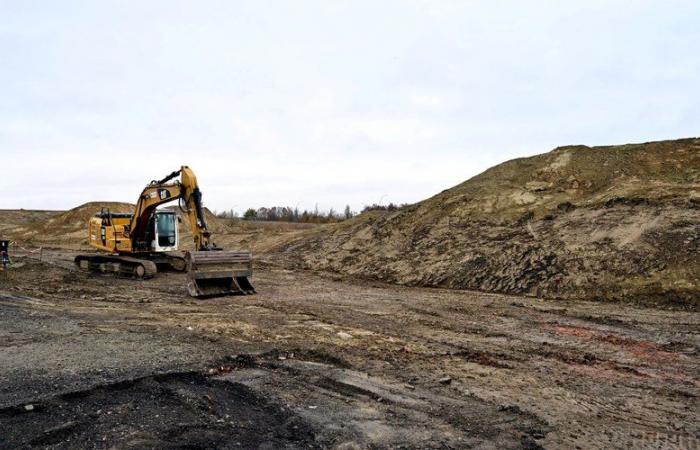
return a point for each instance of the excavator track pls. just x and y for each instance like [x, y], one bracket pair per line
[167, 261]
[123, 266]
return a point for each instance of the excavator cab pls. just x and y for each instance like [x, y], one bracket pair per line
[165, 236]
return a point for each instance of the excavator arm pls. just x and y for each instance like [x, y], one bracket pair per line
[193, 199]
[211, 270]
[154, 195]
[164, 191]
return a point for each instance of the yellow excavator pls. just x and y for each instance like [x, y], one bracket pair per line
[136, 245]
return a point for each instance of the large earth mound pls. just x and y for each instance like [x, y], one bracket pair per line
[581, 222]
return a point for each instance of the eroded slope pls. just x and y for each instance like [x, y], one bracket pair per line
[600, 222]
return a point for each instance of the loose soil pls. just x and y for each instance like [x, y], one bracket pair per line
[313, 361]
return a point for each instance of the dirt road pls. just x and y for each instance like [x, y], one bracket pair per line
[311, 362]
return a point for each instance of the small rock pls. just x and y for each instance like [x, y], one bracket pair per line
[344, 335]
[537, 434]
[62, 427]
[190, 328]
[537, 186]
[29, 407]
[313, 407]
[446, 380]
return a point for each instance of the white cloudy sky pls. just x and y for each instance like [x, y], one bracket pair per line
[328, 102]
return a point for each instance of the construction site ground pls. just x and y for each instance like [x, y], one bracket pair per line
[317, 361]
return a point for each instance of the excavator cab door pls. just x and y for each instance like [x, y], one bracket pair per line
[165, 236]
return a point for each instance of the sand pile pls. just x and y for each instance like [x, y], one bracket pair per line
[577, 222]
[76, 219]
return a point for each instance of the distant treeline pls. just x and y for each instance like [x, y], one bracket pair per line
[288, 214]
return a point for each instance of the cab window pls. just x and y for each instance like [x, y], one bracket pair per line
[166, 229]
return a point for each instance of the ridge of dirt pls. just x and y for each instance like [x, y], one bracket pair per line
[614, 222]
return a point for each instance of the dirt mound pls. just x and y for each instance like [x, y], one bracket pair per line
[601, 222]
[77, 218]
[214, 224]
[16, 224]
[69, 228]
[60, 228]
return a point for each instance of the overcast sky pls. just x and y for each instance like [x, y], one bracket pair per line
[328, 102]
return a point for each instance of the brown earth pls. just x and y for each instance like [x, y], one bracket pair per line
[619, 222]
[313, 362]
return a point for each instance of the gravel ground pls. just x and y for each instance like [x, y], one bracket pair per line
[313, 361]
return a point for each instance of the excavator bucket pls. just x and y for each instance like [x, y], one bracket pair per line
[218, 272]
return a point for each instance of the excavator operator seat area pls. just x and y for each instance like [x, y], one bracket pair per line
[166, 232]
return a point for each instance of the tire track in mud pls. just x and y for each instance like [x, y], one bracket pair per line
[572, 354]
[370, 411]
